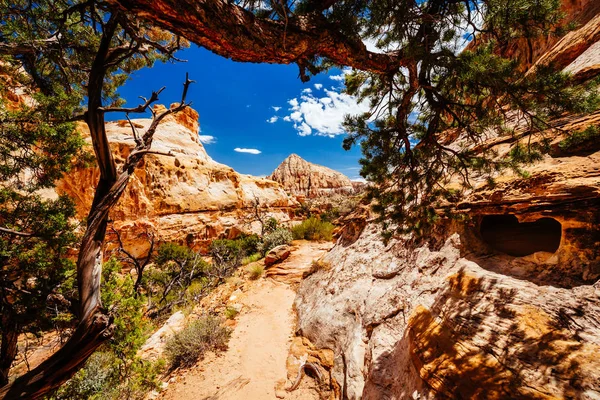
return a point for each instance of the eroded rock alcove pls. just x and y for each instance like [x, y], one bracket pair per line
[506, 234]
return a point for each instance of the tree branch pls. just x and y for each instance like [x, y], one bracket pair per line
[15, 233]
[233, 32]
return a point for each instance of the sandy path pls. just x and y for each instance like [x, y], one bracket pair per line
[254, 366]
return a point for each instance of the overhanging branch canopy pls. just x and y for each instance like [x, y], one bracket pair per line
[236, 33]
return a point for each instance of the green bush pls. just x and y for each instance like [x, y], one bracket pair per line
[190, 344]
[251, 258]
[227, 253]
[106, 377]
[313, 229]
[176, 269]
[580, 138]
[276, 238]
[249, 243]
[271, 225]
[231, 312]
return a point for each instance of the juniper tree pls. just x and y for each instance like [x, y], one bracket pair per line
[422, 87]
[72, 56]
[37, 144]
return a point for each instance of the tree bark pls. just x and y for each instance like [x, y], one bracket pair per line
[233, 32]
[94, 326]
[8, 350]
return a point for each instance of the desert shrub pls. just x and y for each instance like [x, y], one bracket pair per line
[330, 215]
[580, 138]
[251, 258]
[317, 265]
[190, 344]
[304, 210]
[271, 225]
[226, 256]
[231, 312]
[176, 269]
[256, 271]
[313, 229]
[276, 238]
[249, 243]
[107, 377]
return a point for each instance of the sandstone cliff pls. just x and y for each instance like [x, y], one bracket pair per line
[505, 305]
[562, 51]
[184, 196]
[304, 179]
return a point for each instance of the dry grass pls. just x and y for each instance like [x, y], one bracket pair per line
[189, 345]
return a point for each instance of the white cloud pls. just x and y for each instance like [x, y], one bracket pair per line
[207, 139]
[276, 108]
[273, 119]
[307, 91]
[318, 86]
[249, 151]
[322, 115]
[303, 129]
[341, 77]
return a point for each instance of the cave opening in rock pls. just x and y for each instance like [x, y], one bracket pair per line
[506, 234]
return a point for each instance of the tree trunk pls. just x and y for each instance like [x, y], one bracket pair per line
[8, 350]
[62, 364]
[94, 326]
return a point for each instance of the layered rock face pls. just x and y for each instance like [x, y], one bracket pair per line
[583, 14]
[442, 321]
[503, 306]
[304, 179]
[506, 305]
[181, 195]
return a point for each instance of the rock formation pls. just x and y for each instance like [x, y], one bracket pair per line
[308, 180]
[504, 305]
[181, 194]
[562, 51]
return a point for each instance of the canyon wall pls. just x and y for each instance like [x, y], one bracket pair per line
[178, 193]
[503, 305]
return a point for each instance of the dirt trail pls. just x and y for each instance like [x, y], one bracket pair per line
[254, 365]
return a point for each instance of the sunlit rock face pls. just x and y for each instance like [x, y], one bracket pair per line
[563, 51]
[503, 305]
[455, 317]
[180, 195]
[306, 180]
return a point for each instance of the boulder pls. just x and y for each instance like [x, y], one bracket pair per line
[277, 254]
[154, 346]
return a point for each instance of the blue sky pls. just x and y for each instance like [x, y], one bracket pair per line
[236, 100]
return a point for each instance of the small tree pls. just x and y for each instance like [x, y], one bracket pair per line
[139, 264]
[37, 146]
[176, 269]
